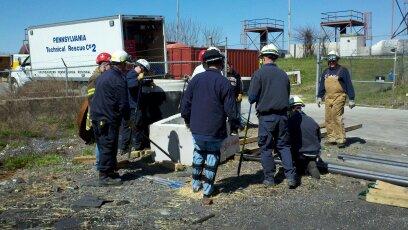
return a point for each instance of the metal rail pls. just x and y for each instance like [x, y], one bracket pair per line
[345, 157]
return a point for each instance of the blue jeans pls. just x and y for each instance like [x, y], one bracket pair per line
[206, 157]
[273, 135]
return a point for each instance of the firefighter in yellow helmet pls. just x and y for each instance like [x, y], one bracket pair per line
[335, 86]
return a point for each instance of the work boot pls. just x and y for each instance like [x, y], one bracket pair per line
[269, 183]
[292, 183]
[106, 179]
[313, 170]
[207, 200]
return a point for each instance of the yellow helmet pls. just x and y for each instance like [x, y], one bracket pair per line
[295, 100]
[120, 56]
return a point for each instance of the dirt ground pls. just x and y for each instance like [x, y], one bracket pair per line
[44, 198]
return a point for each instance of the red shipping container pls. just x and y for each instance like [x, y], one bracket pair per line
[245, 62]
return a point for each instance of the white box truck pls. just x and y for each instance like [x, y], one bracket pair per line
[75, 44]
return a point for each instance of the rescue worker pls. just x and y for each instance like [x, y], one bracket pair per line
[109, 106]
[236, 83]
[202, 67]
[135, 135]
[305, 138]
[270, 89]
[103, 62]
[207, 102]
[335, 84]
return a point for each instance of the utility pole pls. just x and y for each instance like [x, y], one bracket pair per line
[178, 22]
[392, 17]
[289, 25]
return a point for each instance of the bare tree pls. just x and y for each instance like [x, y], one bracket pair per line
[215, 33]
[188, 32]
[192, 33]
[307, 35]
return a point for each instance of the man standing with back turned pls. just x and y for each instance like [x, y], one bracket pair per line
[270, 89]
[207, 102]
[109, 106]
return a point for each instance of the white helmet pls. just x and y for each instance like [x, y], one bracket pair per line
[143, 63]
[214, 48]
[295, 100]
[270, 49]
[120, 56]
[333, 56]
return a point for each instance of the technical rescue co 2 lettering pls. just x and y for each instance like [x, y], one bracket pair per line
[70, 47]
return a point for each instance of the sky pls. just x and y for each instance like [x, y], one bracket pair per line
[16, 15]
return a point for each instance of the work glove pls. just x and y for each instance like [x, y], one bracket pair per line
[140, 76]
[351, 104]
[319, 102]
[239, 98]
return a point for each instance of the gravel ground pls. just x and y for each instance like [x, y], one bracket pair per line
[44, 197]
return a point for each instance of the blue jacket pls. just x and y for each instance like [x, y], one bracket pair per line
[270, 89]
[207, 102]
[344, 80]
[110, 101]
[304, 134]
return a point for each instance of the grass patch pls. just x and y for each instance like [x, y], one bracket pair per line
[88, 152]
[3, 144]
[31, 160]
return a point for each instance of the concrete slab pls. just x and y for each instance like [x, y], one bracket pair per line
[382, 125]
[172, 135]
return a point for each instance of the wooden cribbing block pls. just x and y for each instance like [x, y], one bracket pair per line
[347, 129]
[84, 160]
[383, 199]
[390, 187]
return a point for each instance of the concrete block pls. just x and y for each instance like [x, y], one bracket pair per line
[172, 135]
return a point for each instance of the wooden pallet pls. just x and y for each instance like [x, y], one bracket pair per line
[387, 194]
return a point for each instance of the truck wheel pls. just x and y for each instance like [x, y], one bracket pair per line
[84, 90]
[14, 86]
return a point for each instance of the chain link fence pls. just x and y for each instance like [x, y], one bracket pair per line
[378, 80]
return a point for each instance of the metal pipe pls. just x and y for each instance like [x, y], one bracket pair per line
[373, 160]
[368, 175]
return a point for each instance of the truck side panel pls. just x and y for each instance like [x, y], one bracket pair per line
[77, 44]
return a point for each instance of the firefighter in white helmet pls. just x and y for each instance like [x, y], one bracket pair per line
[335, 86]
[304, 138]
[270, 90]
[135, 131]
[109, 106]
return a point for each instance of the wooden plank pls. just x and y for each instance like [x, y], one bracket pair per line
[84, 160]
[347, 129]
[249, 140]
[387, 193]
[381, 199]
[390, 187]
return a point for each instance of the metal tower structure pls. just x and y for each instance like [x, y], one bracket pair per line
[346, 22]
[268, 30]
[402, 28]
